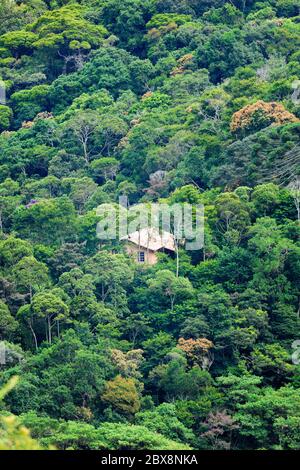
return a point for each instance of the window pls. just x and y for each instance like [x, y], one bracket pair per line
[141, 256]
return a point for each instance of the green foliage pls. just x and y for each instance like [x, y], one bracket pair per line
[5, 117]
[122, 395]
[169, 102]
[13, 435]
[37, 221]
[75, 435]
[262, 415]
[28, 103]
[164, 420]
[8, 324]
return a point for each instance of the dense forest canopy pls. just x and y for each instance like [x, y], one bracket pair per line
[173, 101]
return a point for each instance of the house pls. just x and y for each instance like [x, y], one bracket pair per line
[144, 244]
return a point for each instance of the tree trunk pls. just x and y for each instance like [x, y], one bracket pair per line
[34, 335]
[172, 298]
[85, 151]
[49, 331]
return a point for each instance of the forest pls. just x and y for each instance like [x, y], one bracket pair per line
[161, 101]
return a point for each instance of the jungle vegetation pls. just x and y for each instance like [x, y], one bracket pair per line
[177, 101]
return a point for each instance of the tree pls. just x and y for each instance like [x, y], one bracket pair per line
[13, 249]
[30, 274]
[6, 115]
[294, 187]
[13, 435]
[76, 435]
[215, 304]
[197, 351]
[49, 221]
[271, 250]
[25, 315]
[83, 126]
[136, 327]
[10, 199]
[265, 198]
[168, 284]
[263, 414]
[105, 168]
[65, 33]
[174, 381]
[219, 430]
[26, 104]
[75, 282]
[164, 420]
[18, 42]
[157, 347]
[228, 14]
[287, 430]
[82, 191]
[255, 116]
[8, 325]
[168, 102]
[233, 216]
[122, 395]
[111, 272]
[271, 361]
[69, 256]
[238, 389]
[15, 16]
[128, 364]
[133, 437]
[131, 21]
[51, 308]
[287, 8]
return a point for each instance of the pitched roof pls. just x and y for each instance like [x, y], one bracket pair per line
[151, 239]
